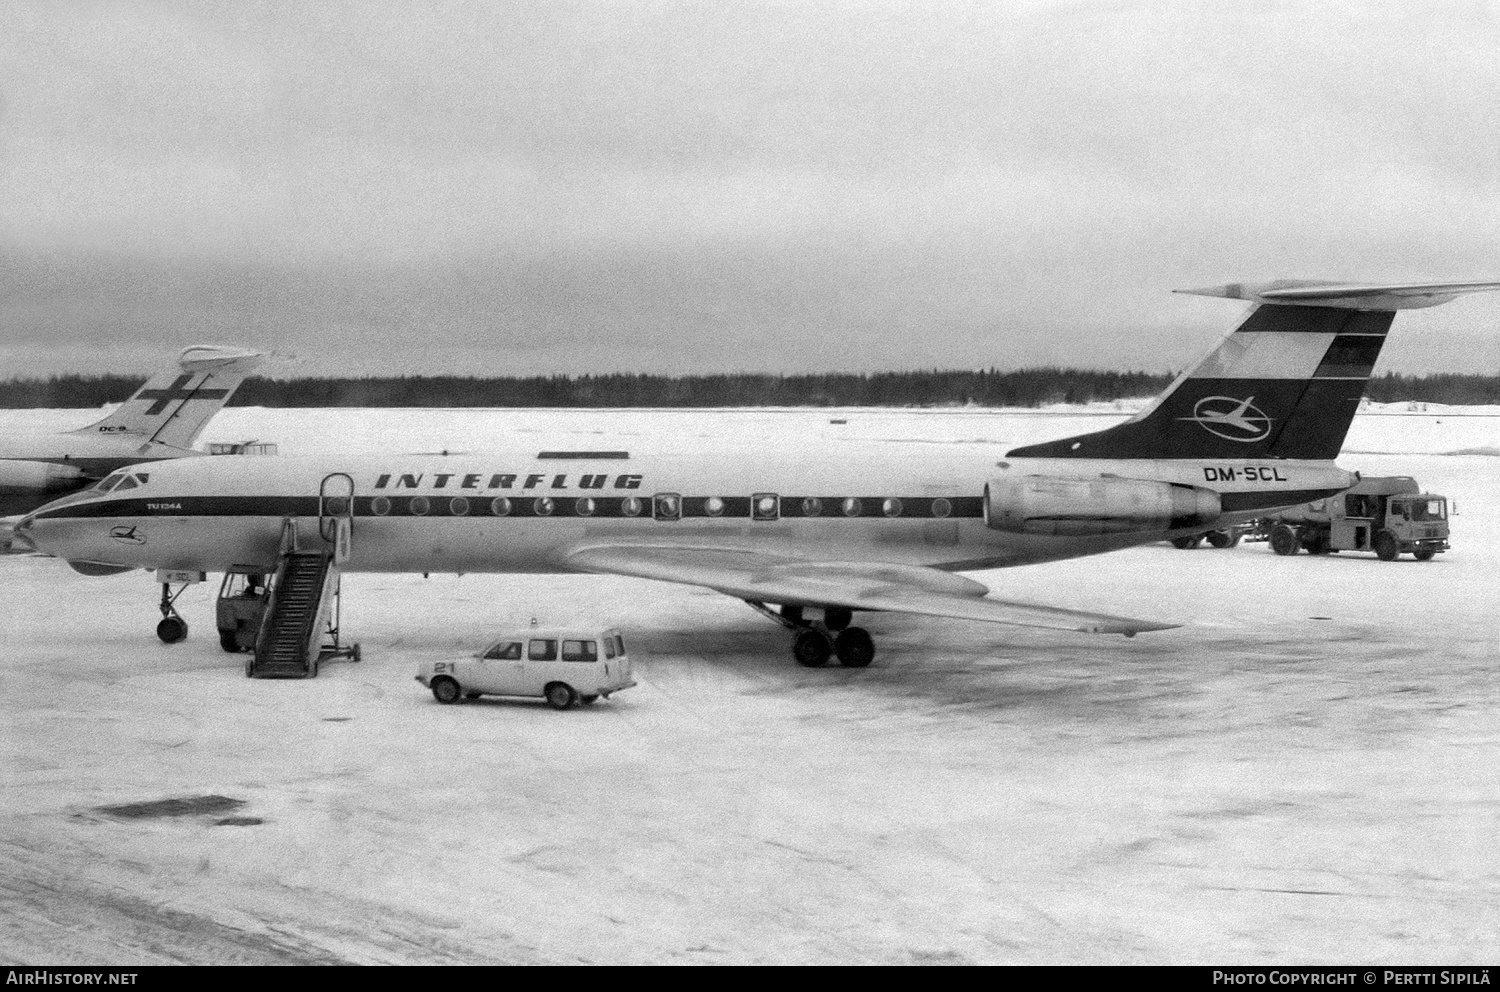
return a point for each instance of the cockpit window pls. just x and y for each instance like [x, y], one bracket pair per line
[126, 483]
[143, 477]
[109, 482]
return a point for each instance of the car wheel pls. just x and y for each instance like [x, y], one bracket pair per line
[1423, 555]
[229, 641]
[560, 695]
[445, 691]
[1186, 543]
[1387, 548]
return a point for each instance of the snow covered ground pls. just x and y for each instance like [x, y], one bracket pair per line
[1304, 772]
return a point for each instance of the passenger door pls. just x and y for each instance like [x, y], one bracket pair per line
[499, 669]
[540, 665]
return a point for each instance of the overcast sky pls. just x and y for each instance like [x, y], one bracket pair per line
[513, 187]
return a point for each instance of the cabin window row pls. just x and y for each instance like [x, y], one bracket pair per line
[673, 506]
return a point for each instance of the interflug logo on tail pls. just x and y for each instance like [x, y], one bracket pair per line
[1231, 418]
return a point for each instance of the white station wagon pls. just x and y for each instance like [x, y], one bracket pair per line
[562, 666]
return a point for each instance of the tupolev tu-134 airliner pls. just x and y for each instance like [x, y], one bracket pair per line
[807, 536]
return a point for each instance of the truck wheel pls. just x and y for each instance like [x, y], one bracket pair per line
[1223, 538]
[229, 642]
[560, 695]
[1387, 548]
[1186, 543]
[1284, 540]
[1316, 543]
[1423, 555]
[445, 691]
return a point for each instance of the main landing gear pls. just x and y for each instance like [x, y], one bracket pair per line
[817, 641]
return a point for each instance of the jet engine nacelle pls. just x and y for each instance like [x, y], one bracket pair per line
[1040, 504]
[37, 477]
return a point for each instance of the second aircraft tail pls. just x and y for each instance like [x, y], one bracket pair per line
[172, 408]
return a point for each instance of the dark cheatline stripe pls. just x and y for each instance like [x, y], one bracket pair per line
[535, 506]
[616, 455]
[1239, 502]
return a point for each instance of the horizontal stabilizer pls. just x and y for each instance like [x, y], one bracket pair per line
[1347, 296]
[853, 585]
[218, 358]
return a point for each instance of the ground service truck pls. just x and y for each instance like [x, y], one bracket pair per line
[1389, 516]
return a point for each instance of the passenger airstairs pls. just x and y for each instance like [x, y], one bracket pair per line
[301, 624]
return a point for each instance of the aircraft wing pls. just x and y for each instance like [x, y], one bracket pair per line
[855, 585]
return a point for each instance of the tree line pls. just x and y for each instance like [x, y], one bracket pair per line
[983, 387]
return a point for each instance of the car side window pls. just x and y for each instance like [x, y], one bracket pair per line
[504, 651]
[580, 651]
[609, 646]
[619, 644]
[542, 650]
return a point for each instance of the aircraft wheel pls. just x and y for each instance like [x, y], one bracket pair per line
[1423, 555]
[1387, 548]
[588, 700]
[229, 642]
[1186, 543]
[811, 648]
[172, 629]
[445, 691]
[855, 647]
[560, 695]
[1223, 539]
[837, 618]
[1284, 540]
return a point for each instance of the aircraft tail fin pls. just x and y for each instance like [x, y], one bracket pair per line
[172, 408]
[1286, 383]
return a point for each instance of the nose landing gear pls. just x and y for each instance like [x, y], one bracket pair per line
[172, 627]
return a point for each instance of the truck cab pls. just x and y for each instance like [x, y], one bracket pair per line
[564, 667]
[1390, 516]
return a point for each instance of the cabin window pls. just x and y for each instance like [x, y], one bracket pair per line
[543, 506]
[812, 507]
[941, 507]
[667, 506]
[713, 506]
[542, 650]
[336, 506]
[580, 651]
[504, 651]
[500, 506]
[458, 506]
[419, 506]
[853, 507]
[891, 507]
[631, 506]
[765, 506]
[380, 506]
[586, 507]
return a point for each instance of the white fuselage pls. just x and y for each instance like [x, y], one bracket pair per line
[520, 511]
